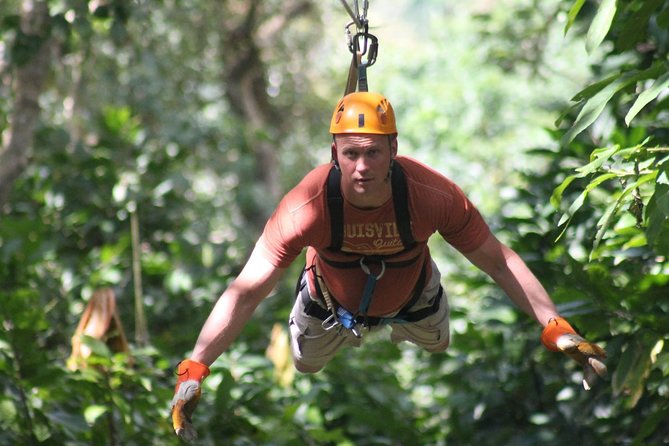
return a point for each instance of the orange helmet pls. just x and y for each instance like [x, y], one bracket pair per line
[363, 112]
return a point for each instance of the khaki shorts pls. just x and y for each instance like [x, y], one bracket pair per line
[313, 346]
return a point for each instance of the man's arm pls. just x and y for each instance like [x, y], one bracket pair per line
[509, 271]
[235, 307]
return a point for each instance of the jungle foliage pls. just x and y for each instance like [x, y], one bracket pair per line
[145, 143]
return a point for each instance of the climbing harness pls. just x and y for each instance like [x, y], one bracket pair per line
[335, 316]
[339, 318]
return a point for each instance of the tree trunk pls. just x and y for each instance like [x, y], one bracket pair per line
[28, 82]
[244, 38]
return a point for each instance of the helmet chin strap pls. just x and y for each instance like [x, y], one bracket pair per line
[392, 158]
[390, 169]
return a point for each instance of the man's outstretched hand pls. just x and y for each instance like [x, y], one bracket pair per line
[559, 336]
[186, 397]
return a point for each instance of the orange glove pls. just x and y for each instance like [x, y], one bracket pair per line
[559, 336]
[186, 396]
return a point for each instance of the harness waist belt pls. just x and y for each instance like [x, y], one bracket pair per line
[312, 308]
[356, 263]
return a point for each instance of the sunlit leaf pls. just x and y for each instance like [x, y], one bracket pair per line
[600, 24]
[556, 197]
[594, 106]
[573, 12]
[96, 346]
[93, 412]
[594, 88]
[576, 205]
[604, 222]
[647, 96]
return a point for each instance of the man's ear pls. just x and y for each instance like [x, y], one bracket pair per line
[333, 150]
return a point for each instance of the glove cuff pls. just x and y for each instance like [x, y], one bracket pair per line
[191, 370]
[556, 327]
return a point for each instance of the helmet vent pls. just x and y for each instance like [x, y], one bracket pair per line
[383, 116]
[361, 120]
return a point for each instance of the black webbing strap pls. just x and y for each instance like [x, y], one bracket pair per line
[336, 208]
[312, 308]
[400, 203]
[352, 80]
[372, 260]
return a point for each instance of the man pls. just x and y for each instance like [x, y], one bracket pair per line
[365, 220]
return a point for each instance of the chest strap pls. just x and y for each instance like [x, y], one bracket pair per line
[400, 193]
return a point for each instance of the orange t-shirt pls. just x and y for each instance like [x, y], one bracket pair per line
[302, 219]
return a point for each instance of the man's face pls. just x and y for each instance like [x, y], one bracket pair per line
[364, 161]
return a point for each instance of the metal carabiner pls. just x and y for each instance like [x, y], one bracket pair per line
[367, 271]
[330, 323]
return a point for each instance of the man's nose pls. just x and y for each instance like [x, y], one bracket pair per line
[362, 164]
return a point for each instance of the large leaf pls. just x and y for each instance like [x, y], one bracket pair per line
[573, 12]
[576, 205]
[647, 96]
[598, 158]
[657, 214]
[634, 29]
[629, 378]
[600, 25]
[605, 222]
[594, 106]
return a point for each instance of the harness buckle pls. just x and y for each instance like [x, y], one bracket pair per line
[344, 319]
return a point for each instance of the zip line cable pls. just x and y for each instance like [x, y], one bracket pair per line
[360, 20]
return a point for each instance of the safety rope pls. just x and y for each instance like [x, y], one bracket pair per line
[362, 44]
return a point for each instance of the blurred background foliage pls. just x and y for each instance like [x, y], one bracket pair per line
[145, 143]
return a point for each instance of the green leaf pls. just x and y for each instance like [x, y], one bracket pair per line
[576, 205]
[605, 222]
[600, 25]
[629, 377]
[597, 159]
[573, 12]
[635, 28]
[93, 412]
[657, 213]
[650, 425]
[595, 88]
[647, 96]
[594, 106]
[556, 196]
[98, 347]
[663, 19]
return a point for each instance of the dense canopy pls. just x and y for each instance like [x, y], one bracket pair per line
[144, 144]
